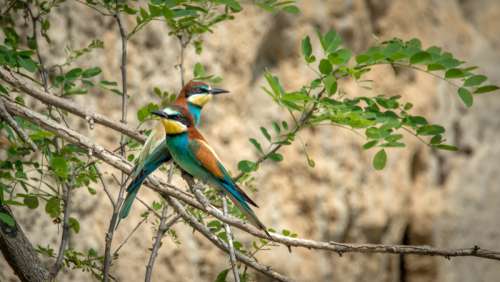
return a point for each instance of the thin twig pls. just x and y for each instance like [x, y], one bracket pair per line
[66, 231]
[13, 124]
[162, 228]
[232, 256]
[183, 44]
[115, 253]
[298, 126]
[43, 72]
[116, 209]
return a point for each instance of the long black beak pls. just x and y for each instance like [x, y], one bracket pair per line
[160, 114]
[215, 91]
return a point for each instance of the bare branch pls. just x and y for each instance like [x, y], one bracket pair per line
[115, 253]
[162, 229]
[65, 233]
[119, 201]
[13, 124]
[232, 256]
[19, 252]
[184, 42]
[169, 190]
[31, 89]
[220, 244]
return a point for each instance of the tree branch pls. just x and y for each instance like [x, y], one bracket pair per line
[220, 244]
[19, 252]
[65, 233]
[232, 255]
[26, 86]
[119, 200]
[13, 124]
[162, 228]
[169, 190]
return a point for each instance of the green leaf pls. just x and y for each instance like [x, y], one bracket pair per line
[330, 41]
[199, 70]
[325, 67]
[256, 144]
[265, 133]
[306, 47]
[420, 57]
[53, 207]
[73, 74]
[91, 72]
[28, 64]
[31, 201]
[277, 157]
[60, 166]
[370, 144]
[430, 129]
[291, 9]
[446, 147]
[465, 95]
[379, 160]
[475, 80]
[486, 89]
[276, 127]
[221, 277]
[7, 219]
[74, 224]
[393, 138]
[435, 67]
[454, 73]
[340, 57]
[275, 85]
[330, 84]
[247, 166]
[363, 58]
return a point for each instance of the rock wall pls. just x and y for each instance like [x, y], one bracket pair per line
[422, 197]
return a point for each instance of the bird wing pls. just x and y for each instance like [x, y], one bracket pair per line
[156, 137]
[209, 160]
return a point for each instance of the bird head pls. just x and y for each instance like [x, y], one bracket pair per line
[174, 120]
[199, 93]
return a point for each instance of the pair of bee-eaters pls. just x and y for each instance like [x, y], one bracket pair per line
[176, 137]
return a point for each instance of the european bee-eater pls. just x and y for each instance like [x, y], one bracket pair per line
[191, 152]
[154, 153]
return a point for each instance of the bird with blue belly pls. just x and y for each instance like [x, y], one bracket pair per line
[191, 152]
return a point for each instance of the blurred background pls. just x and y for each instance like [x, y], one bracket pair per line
[442, 199]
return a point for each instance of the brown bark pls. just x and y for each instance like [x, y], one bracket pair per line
[19, 252]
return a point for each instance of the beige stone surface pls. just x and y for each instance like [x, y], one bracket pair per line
[423, 197]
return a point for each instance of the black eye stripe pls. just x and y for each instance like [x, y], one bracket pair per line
[198, 90]
[181, 119]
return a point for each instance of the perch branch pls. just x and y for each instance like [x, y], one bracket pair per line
[232, 255]
[169, 190]
[220, 244]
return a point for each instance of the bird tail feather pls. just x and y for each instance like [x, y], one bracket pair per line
[240, 199]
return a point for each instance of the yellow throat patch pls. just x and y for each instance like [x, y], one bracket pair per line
[173, 126]
[200, 99]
